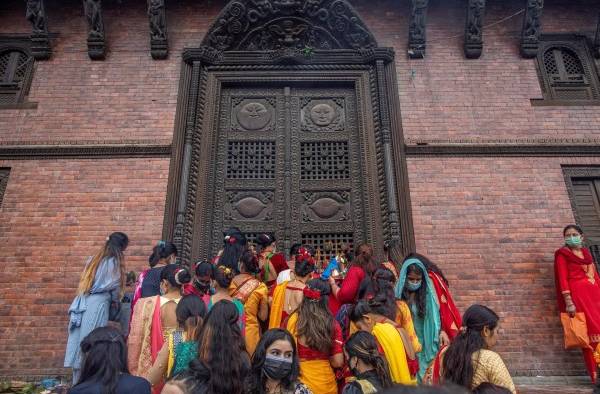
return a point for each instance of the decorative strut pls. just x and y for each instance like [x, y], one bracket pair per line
[158, 29]
[95, 40]
[474, 29]
[36, 15]
[417, 36]
[532, 28]
[597, 40]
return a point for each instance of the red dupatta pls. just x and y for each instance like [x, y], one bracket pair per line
[157, 340]
[449, 314]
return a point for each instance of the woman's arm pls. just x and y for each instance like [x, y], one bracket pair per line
[346, 294]
[562, 273]
[159, 368]
[263, 303]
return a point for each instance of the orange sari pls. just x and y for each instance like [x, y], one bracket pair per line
[251, 293]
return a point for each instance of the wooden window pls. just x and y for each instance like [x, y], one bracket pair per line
[3, 182]
[16, 68]
[583, 184]
[567, 72]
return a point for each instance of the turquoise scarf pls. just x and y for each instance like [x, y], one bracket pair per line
[429, 334]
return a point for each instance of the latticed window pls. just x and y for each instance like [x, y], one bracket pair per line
[15, 75]
[567, 73]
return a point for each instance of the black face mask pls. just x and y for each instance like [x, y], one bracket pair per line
[204, 287]
[277, 368]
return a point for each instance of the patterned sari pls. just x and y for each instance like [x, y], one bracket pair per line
[252, 293]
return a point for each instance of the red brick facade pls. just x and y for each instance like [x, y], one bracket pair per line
[491, 223]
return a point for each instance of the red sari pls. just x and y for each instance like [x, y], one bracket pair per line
[578, 276]
[449, 314]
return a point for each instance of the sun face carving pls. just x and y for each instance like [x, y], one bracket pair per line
[253, 116]
[322, 114]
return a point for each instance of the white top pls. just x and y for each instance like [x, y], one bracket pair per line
[284, 276]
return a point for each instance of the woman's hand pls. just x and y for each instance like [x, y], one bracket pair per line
[444, 339]
[332, 282]
[571, 310]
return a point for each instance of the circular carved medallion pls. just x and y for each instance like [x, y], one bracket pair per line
[322, 114]
[253, 116]
[325, 207]
[250, 207]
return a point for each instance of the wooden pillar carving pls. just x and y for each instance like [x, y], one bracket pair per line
[158, 29]
[36, 15]
[474, 29]
[597, 39]
[417, 37]
[95, 39]
[532, 28]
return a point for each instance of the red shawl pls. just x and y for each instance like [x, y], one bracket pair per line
[449, 314]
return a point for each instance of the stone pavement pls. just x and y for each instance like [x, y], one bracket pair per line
[554, 385]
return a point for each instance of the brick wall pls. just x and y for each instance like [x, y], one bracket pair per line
[492, 224]
[54, 214]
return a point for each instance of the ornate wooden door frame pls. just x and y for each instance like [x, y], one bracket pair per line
[260, 41]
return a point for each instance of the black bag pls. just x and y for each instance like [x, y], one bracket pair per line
[114, 312]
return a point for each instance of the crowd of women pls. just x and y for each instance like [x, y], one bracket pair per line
[252, 321]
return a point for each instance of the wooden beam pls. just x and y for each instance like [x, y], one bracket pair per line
[95, 39]
[532, 28]
[417, 37]
[597, 40]
[158, 29]
[40, 43]
[474, 29]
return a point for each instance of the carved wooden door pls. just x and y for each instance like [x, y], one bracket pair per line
[288, 162]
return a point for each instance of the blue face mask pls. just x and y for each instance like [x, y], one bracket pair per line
[413, 286]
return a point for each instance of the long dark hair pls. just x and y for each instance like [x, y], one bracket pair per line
[380, 289]
[429, 265]
[113, 247]
[458, 360]
[104, 358]
[234, 244]
[202, 269]
[364, 259]
[257, 378]
[264, 240]
[190, 313]
[364, 346]
[421, 294]
[315, 321]
[162, 250]
[221, 350]
[249, 261]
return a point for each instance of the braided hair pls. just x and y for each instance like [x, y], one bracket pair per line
[364, 346]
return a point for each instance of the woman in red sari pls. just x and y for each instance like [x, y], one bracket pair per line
[578, 288]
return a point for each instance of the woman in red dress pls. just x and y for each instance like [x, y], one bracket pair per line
[578, 288]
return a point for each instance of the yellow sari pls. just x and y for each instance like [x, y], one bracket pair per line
[390, 340]
[317, 374]
[251, 293]
[277, 305]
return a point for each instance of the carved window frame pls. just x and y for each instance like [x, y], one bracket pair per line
[12, 44]
[553, 84]
[4, 173]
[573, 172]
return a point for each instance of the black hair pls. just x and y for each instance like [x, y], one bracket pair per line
[223, 276]
[489, 388]
[203, 268]
[131, 278]
[420, 294]
[364, 346]
[190, 313]
[458, 360]
[358, 311]
[429, 265]
[250, 262]
[304, 265]
[379, 292]
[104, 358]
[222, 350]
[294, 249]
[162, 250]
[117, 243]
[574, 227]
[263, 241]
[176, 275]
[257, 378]
[445, 389]
[234, 244]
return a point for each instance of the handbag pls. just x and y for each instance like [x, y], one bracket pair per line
[575, 331]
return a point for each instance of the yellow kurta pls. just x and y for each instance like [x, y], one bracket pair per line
[251, 294]
[404, 320]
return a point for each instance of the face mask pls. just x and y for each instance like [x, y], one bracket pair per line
[574, 240]
[413, 286]
[204, 287]
[277, 368]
